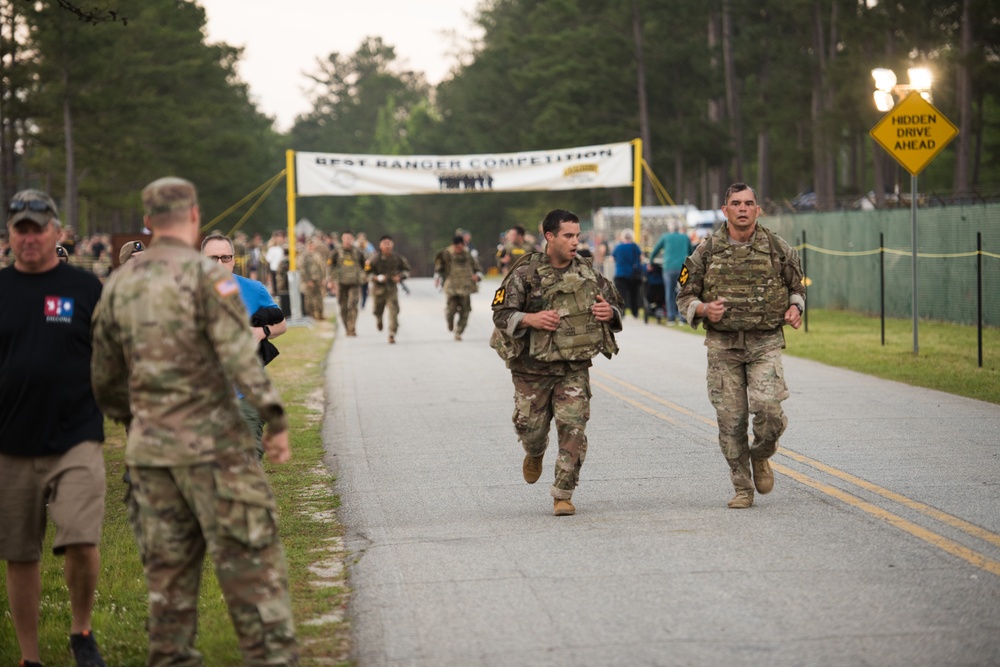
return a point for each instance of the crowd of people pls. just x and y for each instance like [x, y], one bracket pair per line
[173, 343]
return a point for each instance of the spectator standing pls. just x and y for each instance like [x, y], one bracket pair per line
[675, 246]
[51, 430]
[744, 284]
[267, 322]
[628, 270]
[313, 270]
[171, 340]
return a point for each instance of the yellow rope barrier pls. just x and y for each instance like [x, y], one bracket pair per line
[892, 251]
[262, 186]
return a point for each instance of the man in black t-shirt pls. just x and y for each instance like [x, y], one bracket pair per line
[51, 429]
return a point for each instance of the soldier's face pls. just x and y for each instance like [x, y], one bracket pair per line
[562, 245]
[347, 240]
[741, 210]
[385, 245]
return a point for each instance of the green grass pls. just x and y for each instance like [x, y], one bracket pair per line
[309, 528]
[947, 356]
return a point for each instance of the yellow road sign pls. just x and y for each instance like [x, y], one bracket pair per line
[914, 132]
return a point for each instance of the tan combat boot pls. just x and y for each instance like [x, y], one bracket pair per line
[563, 508]
[531, 468]
[742, 500]
[739, 473]
[763, 476]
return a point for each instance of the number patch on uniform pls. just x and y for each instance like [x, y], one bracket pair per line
[683, 278]
[500, 295]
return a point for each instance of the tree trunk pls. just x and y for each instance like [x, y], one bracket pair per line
[714, 176]
[69, 208]
[8, 124]
[763, 166]
[648, 196]
[964, 95]
[732, 93]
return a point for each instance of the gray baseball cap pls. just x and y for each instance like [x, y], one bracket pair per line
[32, 205]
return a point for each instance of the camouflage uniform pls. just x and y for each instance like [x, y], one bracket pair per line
[458, 270]
[760, 280]
[241, 256]
[312, 284]
[386, 295]
[544, 389]
[513, 250]
[171, 339]
[347, 269]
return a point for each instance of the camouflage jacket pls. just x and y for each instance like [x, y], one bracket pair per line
[347, 266]
[388, 266]
[782, 273]
[521, 293]
[171, 338]
[312, 267]
[458, 270]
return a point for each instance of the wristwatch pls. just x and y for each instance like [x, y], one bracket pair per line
[801, 310]
[267, 331]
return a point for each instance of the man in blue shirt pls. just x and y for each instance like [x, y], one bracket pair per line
[258, 301]
[676, 247]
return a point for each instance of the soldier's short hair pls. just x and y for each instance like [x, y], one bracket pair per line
[554, 218]
[458, 239]
[738, 187]
[519, 229]
[168, 195]
[384, 237]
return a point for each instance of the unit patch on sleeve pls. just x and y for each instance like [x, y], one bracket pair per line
[683, 278]
[500, 295]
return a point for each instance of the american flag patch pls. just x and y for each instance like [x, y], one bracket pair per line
[227, 287]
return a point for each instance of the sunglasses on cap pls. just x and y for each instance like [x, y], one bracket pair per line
[137, 246]
[61, 252]
[36, 205]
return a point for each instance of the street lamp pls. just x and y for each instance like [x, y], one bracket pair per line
[886, 87]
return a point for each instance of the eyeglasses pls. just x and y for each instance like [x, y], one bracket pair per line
[36, 205]
[225, 259]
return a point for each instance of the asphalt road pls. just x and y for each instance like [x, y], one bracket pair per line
[880, 544]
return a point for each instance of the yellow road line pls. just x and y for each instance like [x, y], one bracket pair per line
[928, 536]
[934, 513]
[943, 543]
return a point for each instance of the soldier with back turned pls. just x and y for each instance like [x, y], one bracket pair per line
[171, 340]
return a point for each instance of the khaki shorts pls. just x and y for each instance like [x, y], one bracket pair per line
[70, 486]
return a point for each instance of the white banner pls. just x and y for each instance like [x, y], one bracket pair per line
[339, 174]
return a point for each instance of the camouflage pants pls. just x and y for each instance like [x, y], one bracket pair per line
[348, 297]
[461, 305]
[312, 300]
[539, 398]
[741, 383]
[388, 299]
[226, 508]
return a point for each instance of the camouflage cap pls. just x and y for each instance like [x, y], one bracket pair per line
[127, 250]
[32, 205]
[169, 194]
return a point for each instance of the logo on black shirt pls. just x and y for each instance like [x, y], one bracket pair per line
[59, 309]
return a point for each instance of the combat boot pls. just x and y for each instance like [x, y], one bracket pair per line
[739, 474]
[742, 500]
[531, 468]
[763, 476]
[378, 323]
[563, 508]
[392, 339]
[458, 336]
